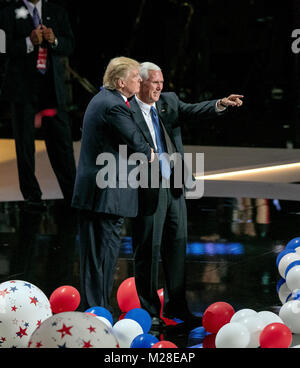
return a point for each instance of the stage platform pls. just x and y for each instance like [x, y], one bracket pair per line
[231, 251]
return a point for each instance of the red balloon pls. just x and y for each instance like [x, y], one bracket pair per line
[275, 335]
[127, 295]
[216, 316]
[209, 341]
[164, 345]
[64, 299]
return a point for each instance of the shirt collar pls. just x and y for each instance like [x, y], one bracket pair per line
[31, 6]
[124, 97]
[144, 107]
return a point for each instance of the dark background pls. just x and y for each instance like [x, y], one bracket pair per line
[207, 49]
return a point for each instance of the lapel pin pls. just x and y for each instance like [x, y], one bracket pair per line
[21, 13]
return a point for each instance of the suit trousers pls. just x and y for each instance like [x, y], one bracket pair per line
[163, 234]
[100, 242]
[59, 144]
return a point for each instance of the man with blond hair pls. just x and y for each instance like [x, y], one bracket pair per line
[107, 125]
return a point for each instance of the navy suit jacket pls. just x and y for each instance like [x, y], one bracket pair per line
[107, 124]
[172, 113]
[20, 78]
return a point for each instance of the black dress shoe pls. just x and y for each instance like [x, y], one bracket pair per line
[186, 316]
[34, 205]
[157, 322]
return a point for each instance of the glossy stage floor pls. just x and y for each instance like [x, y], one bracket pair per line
[231, 252]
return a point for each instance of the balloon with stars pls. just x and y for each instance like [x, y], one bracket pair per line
[23, 307]
[73, 330]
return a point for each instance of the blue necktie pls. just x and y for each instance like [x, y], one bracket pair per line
[163, 161]
[35, 17]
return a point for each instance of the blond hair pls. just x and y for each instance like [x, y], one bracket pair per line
[116, 69]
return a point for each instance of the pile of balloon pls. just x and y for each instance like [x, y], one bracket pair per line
[247, 328]
[28, 319]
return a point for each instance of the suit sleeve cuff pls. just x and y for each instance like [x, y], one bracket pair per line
[29, 45]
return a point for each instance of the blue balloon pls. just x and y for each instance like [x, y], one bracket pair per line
[144, 341]
[101, 312]
[296, 294]
[283, 253]
[293, 244]
[141, 316]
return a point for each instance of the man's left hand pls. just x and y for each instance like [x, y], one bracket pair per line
[48, 34]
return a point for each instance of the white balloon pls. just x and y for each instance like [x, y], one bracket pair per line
[284, 292]
[255, 325]
[285, 261]
[232, 335]
[126, 330]
[269, 317]
[290, 315]
[104, 320]
[73, 330]
[293, 278]
[241, 314]
[23, 307]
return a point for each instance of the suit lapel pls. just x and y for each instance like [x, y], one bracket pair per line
[140, 121]
[162, 108]
[26, 24]
[46, 14]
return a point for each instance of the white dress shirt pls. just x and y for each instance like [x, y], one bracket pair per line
[30, 8]
[147, 116]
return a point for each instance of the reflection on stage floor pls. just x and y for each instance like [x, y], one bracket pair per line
[231, 253]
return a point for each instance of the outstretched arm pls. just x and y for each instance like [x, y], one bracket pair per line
[232, 100]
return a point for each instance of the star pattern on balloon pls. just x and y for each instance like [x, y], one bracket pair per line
[92, 329]
[23, 308]
[22, 332]
[4, 292]
[63, 346]
[65, 330]
[33, 300]
[87, 344]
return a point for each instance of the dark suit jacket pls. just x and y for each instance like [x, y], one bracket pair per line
[107, 124]
[172, 113]
[20, 80]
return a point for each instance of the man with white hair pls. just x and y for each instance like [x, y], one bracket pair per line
[160, 229]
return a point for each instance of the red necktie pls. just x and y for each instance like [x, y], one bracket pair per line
[127, 103]
[42, 55]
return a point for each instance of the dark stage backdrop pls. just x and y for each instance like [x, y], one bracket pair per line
[207, 49]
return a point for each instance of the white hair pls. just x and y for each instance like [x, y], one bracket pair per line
[145, 67]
